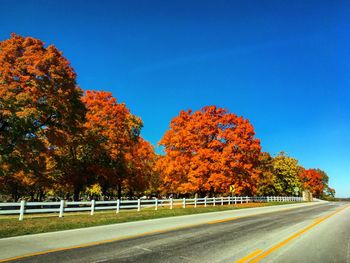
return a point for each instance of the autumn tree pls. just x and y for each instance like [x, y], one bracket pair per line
[208, 150]
[140, 168]
[286, 170]
[313, 181]
[317, 181]
[267, 177]
[75, 163]
[328, 192]
[117, 130]
[39, 101]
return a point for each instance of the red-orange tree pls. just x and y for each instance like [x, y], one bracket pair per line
[208, 150]
[313, 180]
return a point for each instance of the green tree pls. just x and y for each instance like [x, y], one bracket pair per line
[286, 170]
[328, 192]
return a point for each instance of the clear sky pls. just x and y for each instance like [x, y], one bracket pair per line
[284, 65]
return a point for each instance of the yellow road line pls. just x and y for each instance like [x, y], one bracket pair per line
[284, 242]
[222, 220]
[250, 256]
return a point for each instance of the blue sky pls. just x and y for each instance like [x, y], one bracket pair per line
[284, 65]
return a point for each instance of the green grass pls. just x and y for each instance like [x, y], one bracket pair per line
[32, 224]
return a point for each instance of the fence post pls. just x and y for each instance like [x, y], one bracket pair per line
[156, 204]
[21, 210]
[61, 208]
[222, 201]
[214, 201]
[205, 201]
[171, 203]
[118, 206]
[229, 200]
[195, 202]
[246, 199]
[92, 207]
[138, 205]
[184, 203]
[241, 199]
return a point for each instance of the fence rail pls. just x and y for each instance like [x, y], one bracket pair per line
[21, 208]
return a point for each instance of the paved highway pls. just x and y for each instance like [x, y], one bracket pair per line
[319, 233]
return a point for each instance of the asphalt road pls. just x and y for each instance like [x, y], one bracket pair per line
[308, 234]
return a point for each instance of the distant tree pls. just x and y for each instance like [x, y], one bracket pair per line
[327, 190]
[329, 193]
[267, 177]
[208, 150]
[286, 170]
[313, 181]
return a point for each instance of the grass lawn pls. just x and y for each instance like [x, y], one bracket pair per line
[32, 224]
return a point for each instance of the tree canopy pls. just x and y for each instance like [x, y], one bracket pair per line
[209, 150]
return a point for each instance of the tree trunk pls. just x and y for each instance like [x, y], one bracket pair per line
[119, 191]
[76, 193]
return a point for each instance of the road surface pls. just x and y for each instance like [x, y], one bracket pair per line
[319, 233]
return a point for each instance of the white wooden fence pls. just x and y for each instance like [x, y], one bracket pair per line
[63, 206]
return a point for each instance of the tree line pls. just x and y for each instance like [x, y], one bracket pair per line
[57, 141]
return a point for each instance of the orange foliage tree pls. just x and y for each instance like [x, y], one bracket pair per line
[117, 131]
[208, 150]
[39, 102]
[313, 180]
[141, 176]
